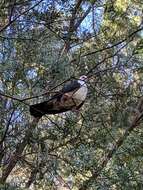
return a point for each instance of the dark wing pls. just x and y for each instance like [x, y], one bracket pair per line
[69, 87]
[47, 107]
[52, 106]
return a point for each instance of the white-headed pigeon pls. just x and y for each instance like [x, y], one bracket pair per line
[71, 97]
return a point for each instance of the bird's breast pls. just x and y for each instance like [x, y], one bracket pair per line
[81, 93]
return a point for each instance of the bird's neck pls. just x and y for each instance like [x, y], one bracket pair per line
[81, 82]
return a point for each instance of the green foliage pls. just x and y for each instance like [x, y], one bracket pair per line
[40, 47]
[9, 187]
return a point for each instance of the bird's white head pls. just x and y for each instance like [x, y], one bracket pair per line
[83, 78]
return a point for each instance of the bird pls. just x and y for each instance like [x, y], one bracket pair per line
[70, 98]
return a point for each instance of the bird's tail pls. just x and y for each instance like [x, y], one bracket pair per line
[38, 110]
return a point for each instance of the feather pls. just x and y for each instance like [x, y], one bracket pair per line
[71, 96]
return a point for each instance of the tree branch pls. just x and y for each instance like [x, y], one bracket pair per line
[113, 151]
[18, 152]
[24, 12]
